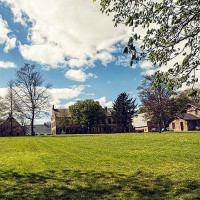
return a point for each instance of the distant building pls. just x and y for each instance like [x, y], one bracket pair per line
[60, 123]
[188, 121]
[6, 130]
[141, 124]
[39, 129]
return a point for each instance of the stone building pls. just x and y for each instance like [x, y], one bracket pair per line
[188, 121]
[60, 123]
[5, 127]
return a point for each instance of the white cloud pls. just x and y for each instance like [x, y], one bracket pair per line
[78, 75]
[7, 64]
[103, 102]
[45, 54]
[68, 104]
[59, 94]
[73, 33]
[146, 65]
[124, 60]
[9, 41]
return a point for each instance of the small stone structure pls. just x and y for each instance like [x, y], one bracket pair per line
[10, 127]
[188, 121]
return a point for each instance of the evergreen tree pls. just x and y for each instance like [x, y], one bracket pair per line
[123, 111]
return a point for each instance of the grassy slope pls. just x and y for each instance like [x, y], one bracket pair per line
[120, 166]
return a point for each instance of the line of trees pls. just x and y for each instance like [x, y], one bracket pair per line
[87, 114]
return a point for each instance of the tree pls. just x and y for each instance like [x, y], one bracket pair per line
[32, 97]
[87, 114]
[123, 110]
[193, 95]
[158, 102]
[3, 107]
[170, 31]
[10, 101]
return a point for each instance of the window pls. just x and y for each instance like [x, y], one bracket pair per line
[109, 120]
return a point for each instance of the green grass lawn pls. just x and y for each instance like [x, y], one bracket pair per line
[101, 166]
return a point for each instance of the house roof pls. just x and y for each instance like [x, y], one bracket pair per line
[40, 129]
[62, 112]
[139, 120]
[188, 116]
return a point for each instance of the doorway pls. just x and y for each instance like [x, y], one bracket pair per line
[182, 127]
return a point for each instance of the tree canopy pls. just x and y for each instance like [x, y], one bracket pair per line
[164, 32]
[123, 110]
[87, 114]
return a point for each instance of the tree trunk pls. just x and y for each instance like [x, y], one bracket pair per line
[159, 126]
[32, 124]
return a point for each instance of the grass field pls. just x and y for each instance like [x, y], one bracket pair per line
[102, 166]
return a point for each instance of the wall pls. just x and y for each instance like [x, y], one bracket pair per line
[178, 125]
[5, 128]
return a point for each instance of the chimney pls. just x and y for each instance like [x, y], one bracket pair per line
[53, 107]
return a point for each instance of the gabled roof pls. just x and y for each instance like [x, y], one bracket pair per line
[188, 116]
[39, 129]
[62, 112]
[193, 105]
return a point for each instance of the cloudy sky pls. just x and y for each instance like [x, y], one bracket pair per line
[73, 45]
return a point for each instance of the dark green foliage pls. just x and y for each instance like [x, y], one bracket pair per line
[141, 109]
[123, 110]
[87, 114]
[170, 30]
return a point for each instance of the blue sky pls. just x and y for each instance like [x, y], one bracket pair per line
[76, 48]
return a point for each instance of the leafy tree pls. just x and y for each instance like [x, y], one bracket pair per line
[193, 95]
[87, 114]
[157, 101]
[32, 97]
[170, 30]
[141, 109]
[123, 110]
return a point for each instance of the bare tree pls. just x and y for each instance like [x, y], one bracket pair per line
[10, 102]
[32, 97]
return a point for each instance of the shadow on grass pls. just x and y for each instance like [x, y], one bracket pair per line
[91, 185]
